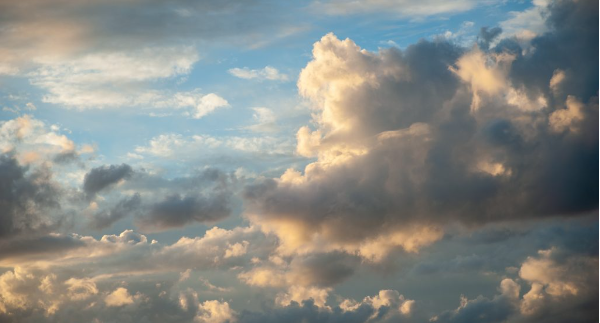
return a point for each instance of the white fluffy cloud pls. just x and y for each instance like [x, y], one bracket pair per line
[119, 297]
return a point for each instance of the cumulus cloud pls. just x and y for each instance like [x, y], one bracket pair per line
[118, 297]
[215, 312]
[34, 142]
[402, 146]
[560, 290]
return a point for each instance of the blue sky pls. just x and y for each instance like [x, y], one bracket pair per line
[312, 161]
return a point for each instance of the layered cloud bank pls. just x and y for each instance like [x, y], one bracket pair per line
[437, 183]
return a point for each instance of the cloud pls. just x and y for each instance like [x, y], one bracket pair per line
[497, 309]
[559, 291]
[401, 8]
[486, 36]
[121, 27]
[431, 136]
[215, 312]
[177, 211]
[28, 198]
[119, 297]
[124, 79]
[386, 306]
[265, 120]
[111, 79]
[33, 142]
[267, 73]
[100, 178]
[527, 24]
[124, 207]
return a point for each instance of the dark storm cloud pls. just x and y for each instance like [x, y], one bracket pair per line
[27, 197]
[123, 208]
[102, 177]
[177, 211]
[499, 161]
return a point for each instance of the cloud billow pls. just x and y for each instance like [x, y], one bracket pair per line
[410, 141]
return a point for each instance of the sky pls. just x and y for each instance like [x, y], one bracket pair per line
[221, 161]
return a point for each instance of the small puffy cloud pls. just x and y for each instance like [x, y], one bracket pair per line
[208, 104]
[569, 118]
[266, 73]
[300, 293]
[387, 304]
[119, 297]
[215, 312]
[34, 142]
[237, 249]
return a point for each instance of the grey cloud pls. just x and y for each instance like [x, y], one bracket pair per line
[323, 269]
[124, 207]
[177, 211]
[481, 309]
[571, 45]
[37, 247]
[27, 198]
[102, 177]
[559, 286]
[81, 27]
[160, 203]
[308, 312]
[434, 176]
